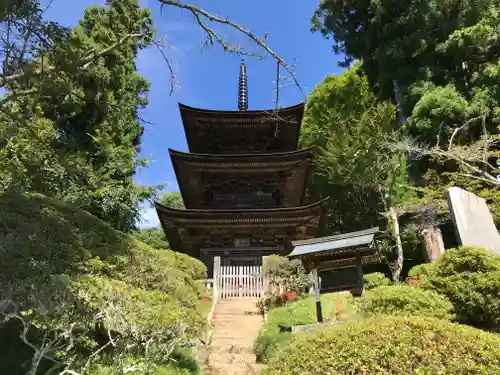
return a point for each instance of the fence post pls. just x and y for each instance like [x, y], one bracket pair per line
[217, 280]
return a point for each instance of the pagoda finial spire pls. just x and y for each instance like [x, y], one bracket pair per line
[243, 88]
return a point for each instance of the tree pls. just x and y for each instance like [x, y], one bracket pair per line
[446, 81]
[81, 86]
[173, 200]
[351, 129]
[387, 34]
[330, 104]
[79, 92]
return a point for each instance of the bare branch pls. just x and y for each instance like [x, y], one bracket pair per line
[173, 79]
[198, 13]
[468, 157]
[460, 128]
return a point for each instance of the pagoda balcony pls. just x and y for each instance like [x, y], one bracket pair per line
[248, 200]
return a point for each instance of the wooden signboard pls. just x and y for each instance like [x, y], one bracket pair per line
[337, 280]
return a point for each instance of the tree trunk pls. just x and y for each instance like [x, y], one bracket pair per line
[398, 266]
[433, 242]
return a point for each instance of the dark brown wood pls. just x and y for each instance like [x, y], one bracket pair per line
[190, 230]
[244, 184]
[240, 132]
[243, 181]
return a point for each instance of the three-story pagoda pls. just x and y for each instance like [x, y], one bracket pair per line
[244, 184]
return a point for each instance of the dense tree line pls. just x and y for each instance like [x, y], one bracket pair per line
[416, 112]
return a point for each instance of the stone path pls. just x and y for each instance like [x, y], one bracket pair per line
[236, 323]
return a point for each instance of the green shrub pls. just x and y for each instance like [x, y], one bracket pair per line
[173, 367]
[466, 259]
[470, 278]
[302, 311]
[68, 268]
[406, 300]
[375, 279]
[475, 297]
[390, 345]
[289, 274]
[422, 271]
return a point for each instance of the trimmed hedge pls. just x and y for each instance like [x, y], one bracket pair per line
[302, 311]
[406, 300]
[390, 345]
[470, 278]
[375, 279]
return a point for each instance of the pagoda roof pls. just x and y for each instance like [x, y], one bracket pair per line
[214, 131]
[187, 230]
[196, 172]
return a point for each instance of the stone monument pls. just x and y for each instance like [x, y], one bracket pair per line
[473, 221]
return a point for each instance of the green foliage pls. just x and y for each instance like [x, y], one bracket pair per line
[466, 259]
[338, 96]
[76, 271]
[353, 165]
[470, 278]
[172, 200]
[406, 300]
[302, 311]
[422, 271]
[392, 346]
[75, 133]
[446, 82]
[375, 279]
[289, 274]
[183, 363]
[154, 237]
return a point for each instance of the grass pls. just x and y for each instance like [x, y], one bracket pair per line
[302, 311]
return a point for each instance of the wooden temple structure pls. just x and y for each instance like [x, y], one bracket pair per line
[244, 184]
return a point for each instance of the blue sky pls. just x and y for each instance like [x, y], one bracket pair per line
[208, 78]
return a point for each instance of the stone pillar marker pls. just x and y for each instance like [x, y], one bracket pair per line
[474, 224]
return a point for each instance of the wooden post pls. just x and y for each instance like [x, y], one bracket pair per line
[217, 280]
[319, 312]
[361, 282]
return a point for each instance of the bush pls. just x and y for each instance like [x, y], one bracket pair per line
[466, 259]
[406, 300]
[375, 279]
[289, 274]
[422, 271]
[391, 346]
[66, 267]
[470, 278]
[272, 301]
[300, 312]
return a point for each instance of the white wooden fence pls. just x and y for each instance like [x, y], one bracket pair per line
[237, 281]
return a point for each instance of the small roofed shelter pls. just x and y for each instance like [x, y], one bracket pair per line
[336, 261]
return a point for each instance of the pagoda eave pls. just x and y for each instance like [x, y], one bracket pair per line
[297, 108]
[189, 230]
[235, 132]
[287, 173]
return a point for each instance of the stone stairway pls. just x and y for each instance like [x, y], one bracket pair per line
[236, 323]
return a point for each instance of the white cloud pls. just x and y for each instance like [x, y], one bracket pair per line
[149, 218]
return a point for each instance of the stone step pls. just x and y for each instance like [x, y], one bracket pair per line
[233, 349]
[237, 314]
[221, 336]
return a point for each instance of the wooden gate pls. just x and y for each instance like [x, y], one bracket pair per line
[238, 281]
